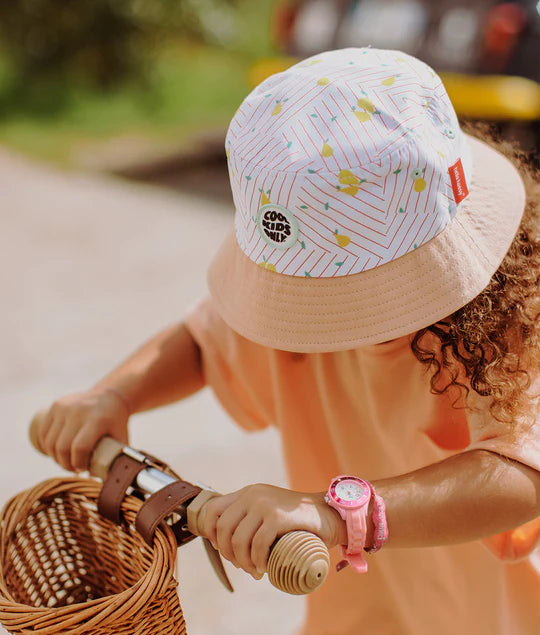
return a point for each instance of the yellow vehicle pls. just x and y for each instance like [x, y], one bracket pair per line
[491, 97]
[485, 51]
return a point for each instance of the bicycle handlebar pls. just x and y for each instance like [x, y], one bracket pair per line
[299, 560]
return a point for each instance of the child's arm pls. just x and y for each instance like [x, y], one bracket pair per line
[466, 497]
[165, 369]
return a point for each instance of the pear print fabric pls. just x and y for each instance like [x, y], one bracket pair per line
[354, 147]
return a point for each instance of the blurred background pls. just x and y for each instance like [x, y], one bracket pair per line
[115, 195]
[145, 88]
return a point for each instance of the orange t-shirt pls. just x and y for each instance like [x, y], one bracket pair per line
[369, 412]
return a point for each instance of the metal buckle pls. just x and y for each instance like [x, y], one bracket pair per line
[135, 455]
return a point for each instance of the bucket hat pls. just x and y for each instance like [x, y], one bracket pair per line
[363, 212]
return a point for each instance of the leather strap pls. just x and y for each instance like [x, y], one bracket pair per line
[121, 475]
[160, 504]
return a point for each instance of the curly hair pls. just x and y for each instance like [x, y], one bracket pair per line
[492, 344]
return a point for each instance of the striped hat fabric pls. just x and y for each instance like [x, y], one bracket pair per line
[349, 148]
[347, 169]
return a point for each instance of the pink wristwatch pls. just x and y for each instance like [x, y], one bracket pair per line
[350, 496]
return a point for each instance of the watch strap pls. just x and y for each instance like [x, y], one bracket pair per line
[356, 540]
[356, 529]
[356, 560]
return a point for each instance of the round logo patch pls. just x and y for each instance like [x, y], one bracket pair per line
[277, 225]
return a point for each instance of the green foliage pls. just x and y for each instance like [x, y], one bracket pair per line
[182, 70]
[96, 43]
[192, 88]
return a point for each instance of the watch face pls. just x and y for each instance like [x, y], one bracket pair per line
[351, 492]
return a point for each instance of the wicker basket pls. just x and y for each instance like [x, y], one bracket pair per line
[66, 569]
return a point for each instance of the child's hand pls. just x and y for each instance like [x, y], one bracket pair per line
[243, 525]
[70, 429]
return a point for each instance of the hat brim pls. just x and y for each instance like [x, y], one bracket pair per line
[308, 315]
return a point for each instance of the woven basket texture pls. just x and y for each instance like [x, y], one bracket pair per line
[66, 569]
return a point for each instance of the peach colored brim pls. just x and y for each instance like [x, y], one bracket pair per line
[310, 315]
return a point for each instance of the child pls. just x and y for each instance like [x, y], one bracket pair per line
[373, 241]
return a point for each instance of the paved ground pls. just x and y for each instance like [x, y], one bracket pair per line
[89, 268]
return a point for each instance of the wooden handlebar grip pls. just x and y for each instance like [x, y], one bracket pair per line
[32, 433]
[298, 562]
[106, 450]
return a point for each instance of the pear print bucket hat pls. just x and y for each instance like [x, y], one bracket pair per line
[363, 212]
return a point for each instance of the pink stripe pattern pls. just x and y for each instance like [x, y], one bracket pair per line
[350, 150]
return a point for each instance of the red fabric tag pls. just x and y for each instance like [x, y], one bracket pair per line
[459, 184]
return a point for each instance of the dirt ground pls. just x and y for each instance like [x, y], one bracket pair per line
[91, 267]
